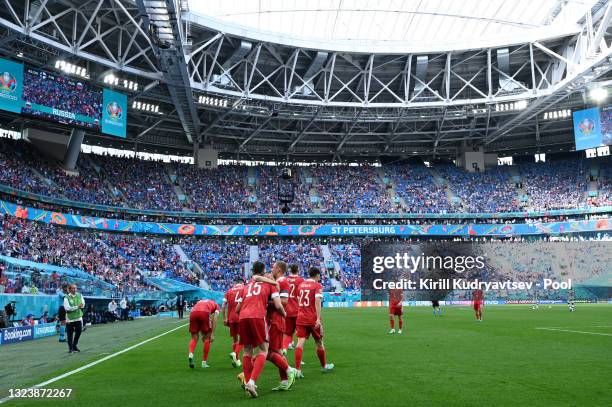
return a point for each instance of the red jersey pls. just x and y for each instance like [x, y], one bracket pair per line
[232, 297]
[308, 291]
[395, 298]
[477, 295]
[294, 282]
[206, 306]
[254, 299]
[274, 316]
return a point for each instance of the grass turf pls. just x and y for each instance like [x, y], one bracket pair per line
[450, 360]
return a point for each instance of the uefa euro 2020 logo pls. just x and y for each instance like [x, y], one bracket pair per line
[114, 111]
[8, 83]
[586, 126]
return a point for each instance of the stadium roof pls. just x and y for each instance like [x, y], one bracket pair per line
[439, 23]
[255, 93]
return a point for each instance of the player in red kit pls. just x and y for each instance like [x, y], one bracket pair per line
[202, 320]
[230, 318]
[294, 280]
[276, 329]
[395, 310]
[310, 298]
[477, 302]
[253, 330]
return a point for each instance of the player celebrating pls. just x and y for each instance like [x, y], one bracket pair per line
[294, 280]
[203, 320]
[477, 302]
[252, 325]
[395, 309]
[230, 318]
[310, 297]
[276, 329]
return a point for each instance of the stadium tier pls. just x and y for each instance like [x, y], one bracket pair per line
[141, 184]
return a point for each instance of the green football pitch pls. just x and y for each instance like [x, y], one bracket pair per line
[517, 356]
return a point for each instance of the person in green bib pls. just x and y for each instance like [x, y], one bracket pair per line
[74, 305]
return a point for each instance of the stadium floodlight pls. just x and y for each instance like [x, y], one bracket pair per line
[146, 107]
[212, 101]
[521, 104]
[598, 94]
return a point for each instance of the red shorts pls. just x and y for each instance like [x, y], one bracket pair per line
[276, 335]
[234, 328]
[396, 310]
[304, 331]
[477, 305]
[290, 325]
[199, 321]
[253, 331]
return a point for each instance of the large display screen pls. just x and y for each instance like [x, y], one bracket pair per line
[41, 94]
[593, 127]
[61, 99]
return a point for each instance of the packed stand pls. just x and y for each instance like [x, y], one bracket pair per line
[221, 261]
[267, 191]
[555, 184]
[142, 184]
[348, 257]
[346, 189]
[416, 186]
[490, 191]
[218, 190]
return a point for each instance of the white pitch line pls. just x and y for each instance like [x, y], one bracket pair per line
[95, 362]
[578, 332]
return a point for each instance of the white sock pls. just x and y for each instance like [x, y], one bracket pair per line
[284, 382]
[251, 382]
[191, 355]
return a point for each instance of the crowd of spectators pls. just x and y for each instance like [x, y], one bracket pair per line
[221, 261]
[415, 185]
[346, 189]
[490, 191]
[555, 184]
[219, 190]
[142, 184]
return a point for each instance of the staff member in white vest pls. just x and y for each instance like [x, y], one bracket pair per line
[74, 305]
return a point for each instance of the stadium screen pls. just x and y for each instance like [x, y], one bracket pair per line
[593, 127]
[45, 95]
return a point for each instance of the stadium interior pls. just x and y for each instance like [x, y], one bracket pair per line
[156, 149]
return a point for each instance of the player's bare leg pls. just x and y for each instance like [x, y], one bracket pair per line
[392, 323]
[287, 373]
[325, 367]
[400, 321]
[192, 345]
[205, 350]
[247, 366]
[299, 349]
[258, 365]
[235, 354]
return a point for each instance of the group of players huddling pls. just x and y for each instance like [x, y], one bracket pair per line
[262, 316]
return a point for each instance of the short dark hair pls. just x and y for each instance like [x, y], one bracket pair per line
[238, 279]
[258, 268]
[314, 271]
[294, 269]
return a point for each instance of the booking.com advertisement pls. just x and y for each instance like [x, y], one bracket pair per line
[500, 271]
